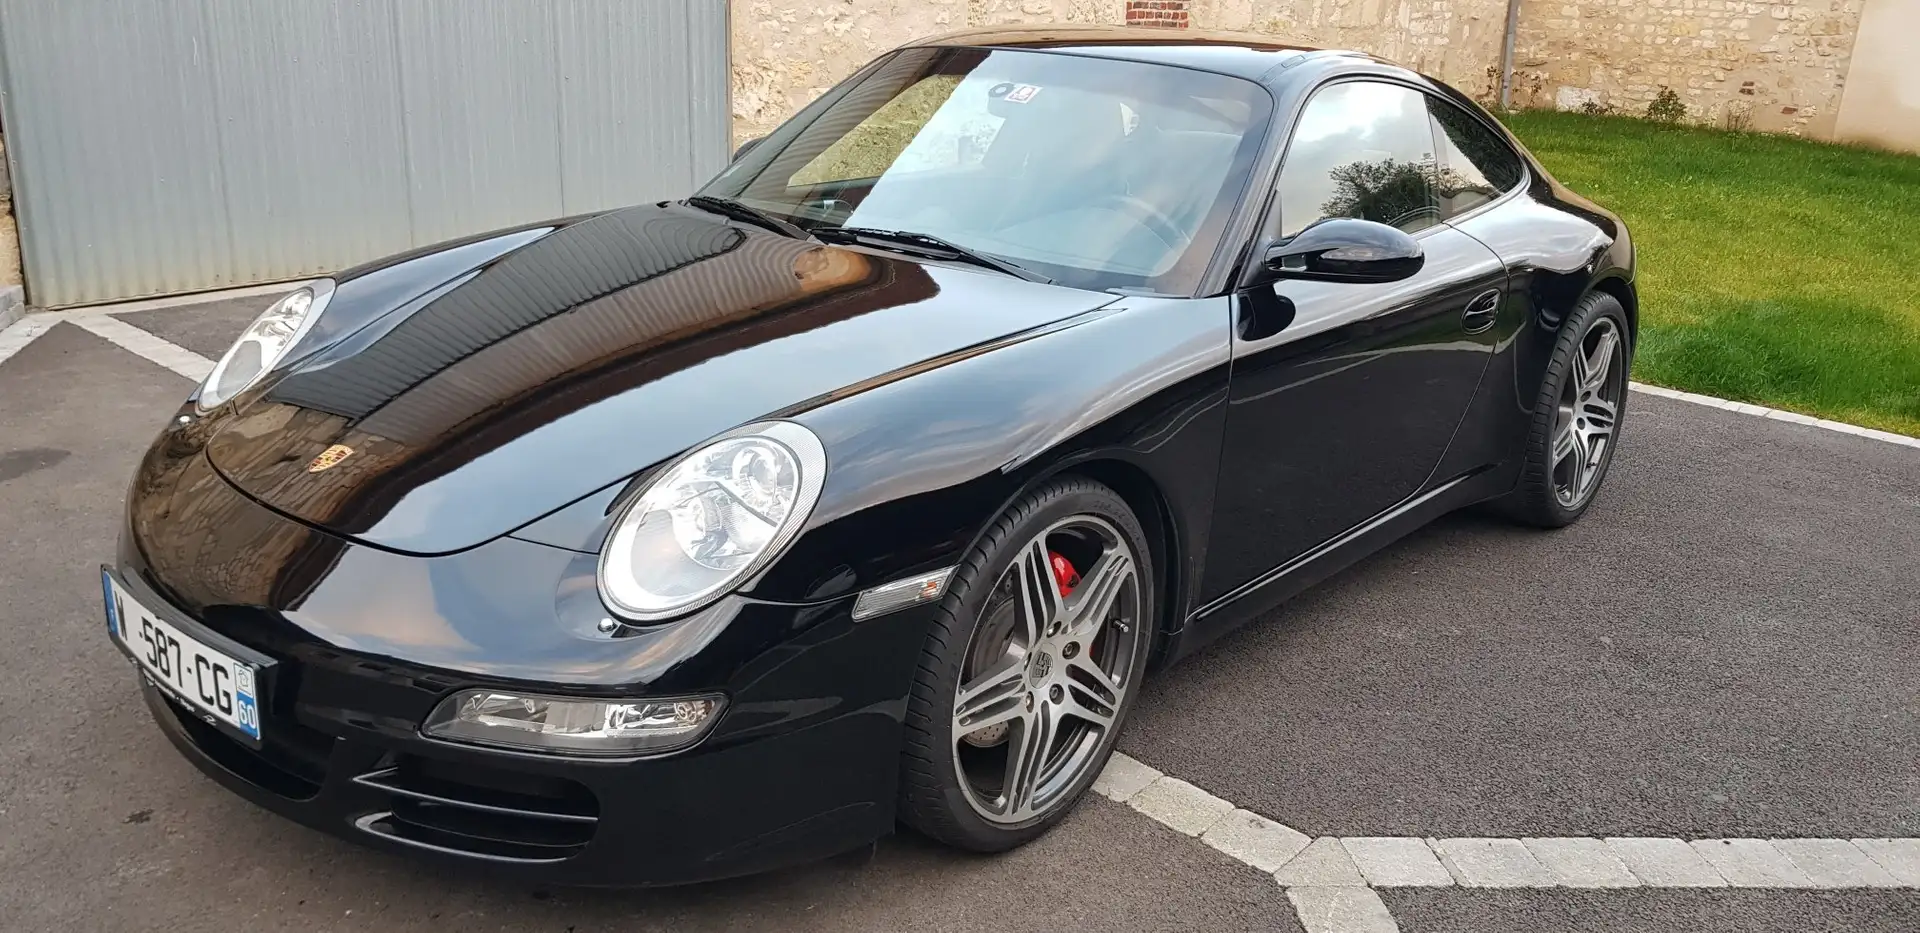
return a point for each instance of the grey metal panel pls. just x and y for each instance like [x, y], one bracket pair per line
[482, 98]
[621, 97]
[110, 199]
[316, 177]
[170, 145]
[712, 91]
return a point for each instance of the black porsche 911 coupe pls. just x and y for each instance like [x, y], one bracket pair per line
[863, 487]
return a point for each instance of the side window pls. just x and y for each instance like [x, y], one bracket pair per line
[1477, 166]
[1361, 149]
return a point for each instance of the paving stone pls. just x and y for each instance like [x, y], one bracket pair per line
[1900, 857]
[1323, 862]
[1397, 861]
[1256, 840]
[1341, 910]
[1834, 863]
[1582, 862]
[1123, 777]
[1751, 863]
[1492, 863]
[1180, 805]
[1664, 862]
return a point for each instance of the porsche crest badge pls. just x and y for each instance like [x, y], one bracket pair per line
[329, 458]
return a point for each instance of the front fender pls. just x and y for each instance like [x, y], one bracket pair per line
[922, 465]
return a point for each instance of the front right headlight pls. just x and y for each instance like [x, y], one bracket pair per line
[712, 519]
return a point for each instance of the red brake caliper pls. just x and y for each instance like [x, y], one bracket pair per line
[1063, 573]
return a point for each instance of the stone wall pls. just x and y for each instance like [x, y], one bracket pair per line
[12, 294]
[1771, 66]
[1777, 66]
[1457, 41]
[787, 52]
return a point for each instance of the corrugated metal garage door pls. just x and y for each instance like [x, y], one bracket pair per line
[162, 146]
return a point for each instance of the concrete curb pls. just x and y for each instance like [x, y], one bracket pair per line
[1775, 414]
[13, 305]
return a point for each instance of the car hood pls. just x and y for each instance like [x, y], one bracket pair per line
[584, 356]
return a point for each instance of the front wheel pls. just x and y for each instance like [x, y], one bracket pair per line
[1031, 665]
[1577, 416]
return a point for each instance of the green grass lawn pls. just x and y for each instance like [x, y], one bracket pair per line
[1772, 270]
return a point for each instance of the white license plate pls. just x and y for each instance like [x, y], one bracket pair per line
[209, 681]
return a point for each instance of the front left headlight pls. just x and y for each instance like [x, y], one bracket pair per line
[264, 343]
[712, 519]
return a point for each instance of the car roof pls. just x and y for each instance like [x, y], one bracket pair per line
[1253, 56]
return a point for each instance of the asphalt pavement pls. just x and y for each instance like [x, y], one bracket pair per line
[1728, 645]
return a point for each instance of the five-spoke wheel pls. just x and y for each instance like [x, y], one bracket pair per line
[1033, 661]
[1048, 669]
[1576, 419]
[1589, 409]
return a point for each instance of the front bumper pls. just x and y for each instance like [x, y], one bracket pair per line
[669, 821]
[802, 764]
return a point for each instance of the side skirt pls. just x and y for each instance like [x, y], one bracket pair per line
[1234, 609]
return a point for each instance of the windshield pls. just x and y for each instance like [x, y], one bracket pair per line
[1095, 173]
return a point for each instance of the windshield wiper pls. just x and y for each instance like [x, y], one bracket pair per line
[728, 207]
[928, 245]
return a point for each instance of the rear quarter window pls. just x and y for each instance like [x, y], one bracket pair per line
[1477, 166]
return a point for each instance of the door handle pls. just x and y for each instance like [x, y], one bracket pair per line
[1482, 311]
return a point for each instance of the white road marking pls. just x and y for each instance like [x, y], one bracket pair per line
[1341, 910]
[1751, 863]
[142, 344]
[1331, 881]
[1777, 415]
[1492, 863]
[1325, 861]
[1900, 857]
[1665, 862]
[16, 336]
[1834, 863]
[1582, 863]
[1123, 778]
[1255, 840]
[1180, 805]
[1397, 862]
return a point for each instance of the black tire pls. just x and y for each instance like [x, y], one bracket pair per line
[932, 799]
[1541, 497]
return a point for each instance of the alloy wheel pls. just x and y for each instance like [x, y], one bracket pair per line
[1048, 670]
[1589, 412]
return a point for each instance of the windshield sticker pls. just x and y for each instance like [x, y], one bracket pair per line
[1021, 93]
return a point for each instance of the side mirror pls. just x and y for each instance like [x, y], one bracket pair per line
[746, 147]
[1346, 249]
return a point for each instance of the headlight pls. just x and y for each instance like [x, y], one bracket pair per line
[711, 520]
[264, 343]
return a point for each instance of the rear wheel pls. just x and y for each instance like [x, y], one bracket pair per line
[1577, 416]
[1030, 668]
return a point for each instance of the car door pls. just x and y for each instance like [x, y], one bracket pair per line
[1344, 396]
